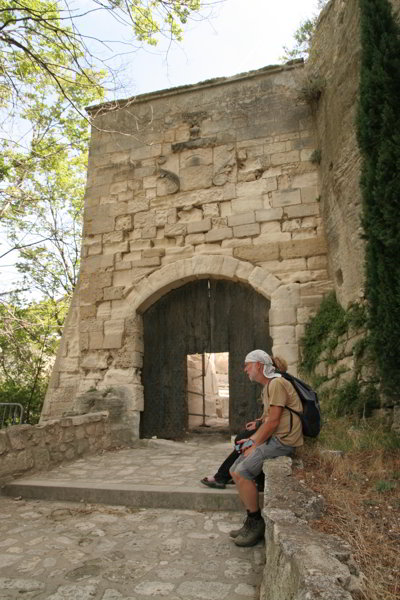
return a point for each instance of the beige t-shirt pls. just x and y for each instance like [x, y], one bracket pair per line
[279, 392]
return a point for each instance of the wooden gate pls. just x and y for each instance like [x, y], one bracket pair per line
[207, 315]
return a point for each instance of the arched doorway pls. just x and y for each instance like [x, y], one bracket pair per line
[207, 315]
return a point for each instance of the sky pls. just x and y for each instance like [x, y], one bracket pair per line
[233, 36]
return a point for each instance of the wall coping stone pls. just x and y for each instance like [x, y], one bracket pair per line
[33, 448]
[217, 81]
[300, 561]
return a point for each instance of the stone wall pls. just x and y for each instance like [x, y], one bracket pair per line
[206, 181]
[300, 561]
[337, 365]
[39, 447]
[335, 58]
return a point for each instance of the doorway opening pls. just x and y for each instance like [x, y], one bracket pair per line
[208, 390]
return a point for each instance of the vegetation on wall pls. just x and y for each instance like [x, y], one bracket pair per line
[323, 334]
[379, 141]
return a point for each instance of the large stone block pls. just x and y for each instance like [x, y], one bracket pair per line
[285, 198]
[289, 352]
[144, 219]
[269, 214]
[175, 230]
[216, 235]
[194, 178]
[280, 316]
[113, 335]
[302, 210]
[94, 360]
[241, 219]
[283, 158]
[95, 263]
[303, 248]
[283, 334]
[258, 253]
[99, 225]
[16, 462]
[246, 230]
[263, 282]
[287, 295]
[199, 226]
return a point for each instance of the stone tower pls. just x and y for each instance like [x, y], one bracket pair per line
[208, 182]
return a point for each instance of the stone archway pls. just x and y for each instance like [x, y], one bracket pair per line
[207, 315]
[118, 372]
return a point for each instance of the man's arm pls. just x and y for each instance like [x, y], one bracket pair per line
[266, 430]
[269, 426]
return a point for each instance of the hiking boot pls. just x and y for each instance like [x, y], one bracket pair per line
[253, 531]
[235, 532]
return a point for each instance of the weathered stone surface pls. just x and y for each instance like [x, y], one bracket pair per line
[257, 253]
[305, 248]
[216, 235]
[241, 219]
[285, 198]
[271, 214]
[246, 230]
[205, 192]
[301, 562]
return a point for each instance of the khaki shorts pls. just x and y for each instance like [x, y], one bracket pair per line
[251, 466]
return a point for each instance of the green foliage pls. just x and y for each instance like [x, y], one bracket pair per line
[352, 399]
[349, 434]
[303, 37]
[323, 330]
[47, 78]
[150, 18]
[44, 37]
[385, 486]
[28, 340]
[379, 141]
[329, 319]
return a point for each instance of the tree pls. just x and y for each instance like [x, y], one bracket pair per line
[48, 74]
[379, 141]
[28, 340]
[47, 77]
[303, 37]
[45, 37]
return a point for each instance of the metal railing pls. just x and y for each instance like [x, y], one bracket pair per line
[11, 413]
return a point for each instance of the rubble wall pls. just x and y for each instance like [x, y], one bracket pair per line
[30, 448]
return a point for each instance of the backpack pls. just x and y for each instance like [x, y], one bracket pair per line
[311, 415]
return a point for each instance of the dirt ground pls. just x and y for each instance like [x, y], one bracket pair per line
[361, 492]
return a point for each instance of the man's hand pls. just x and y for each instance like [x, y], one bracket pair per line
[243, 446]
[249, 451]
[251, 425]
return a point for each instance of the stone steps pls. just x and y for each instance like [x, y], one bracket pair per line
[136, 496]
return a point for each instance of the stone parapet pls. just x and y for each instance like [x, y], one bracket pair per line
[300, 561]
[28, 448]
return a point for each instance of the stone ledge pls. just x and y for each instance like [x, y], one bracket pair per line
[301, 562]
[33, 448]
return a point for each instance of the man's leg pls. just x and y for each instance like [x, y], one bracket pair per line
[243, 472]
[248, 492]
[223, 476]
[223, 473]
